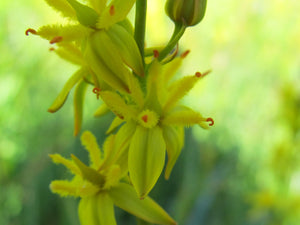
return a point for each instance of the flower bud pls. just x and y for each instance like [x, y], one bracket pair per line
[186, 12]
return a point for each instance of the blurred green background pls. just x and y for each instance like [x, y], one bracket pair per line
[243, 171]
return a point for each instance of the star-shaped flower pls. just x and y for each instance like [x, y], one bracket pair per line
[155, 122]
[101, 186]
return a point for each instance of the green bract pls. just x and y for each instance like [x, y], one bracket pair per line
[186, 12]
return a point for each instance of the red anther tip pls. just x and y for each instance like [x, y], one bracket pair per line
[112, 10]
[212, 122]
[56, 39]
[145, 118]
[155, 53]
[198, 74]
[51, 49]
[183, 55]
[30, 30]
[96, 91]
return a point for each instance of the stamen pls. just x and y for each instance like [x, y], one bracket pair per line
[198, 74]
[145, 118]
[183, 55]
[212, 122]
[30, 30]
[56, 39]
[51, 49]
[96, 91]
[155, 53]
[112, 10]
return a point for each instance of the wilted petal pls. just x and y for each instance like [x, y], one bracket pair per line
[146, 158]
[125, 197]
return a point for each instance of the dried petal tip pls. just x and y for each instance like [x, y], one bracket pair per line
[56, 39]
[96, 91]
[30, 30]
[212, 122]
[155, 53]
[183, 55]
[112, 10]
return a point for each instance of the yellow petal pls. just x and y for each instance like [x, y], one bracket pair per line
[98, 5]
[89, 173]
[89, 141]
[101, 110]
[174, 138]
[115, 12]
[105, 209]
[58, 159]
[125, 197]
[114, 125]
[185, 117]
[67, 33]
[146, 158]
[79, 95]
[61, 98]
[71, 53]
[64, 188]
[86, 211]
[63, 7]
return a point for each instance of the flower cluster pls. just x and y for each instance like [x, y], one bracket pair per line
[145, 98]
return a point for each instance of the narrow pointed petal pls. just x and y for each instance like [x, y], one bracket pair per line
[127, 48]
[105, 209]
[89, 141]
[88, 173]
[85, 15]
[171, 69]
[98, 5]
[117, 104]
[64, 188]
[115, 12]
[61, 98]
[146, 158]
[79, 95]
[101, 110]
[58, 159]
[87, 212]
[125, 197]
[185, 117]
[102, 72]
[63, 7]
[178, 90]
[121, 144]
[114, 125]
[71, 53]
[68, 32]
[135, 91]
[174, 138]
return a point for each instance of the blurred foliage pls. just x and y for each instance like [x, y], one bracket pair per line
[245, 170]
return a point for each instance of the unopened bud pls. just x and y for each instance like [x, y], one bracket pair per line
[186, 12]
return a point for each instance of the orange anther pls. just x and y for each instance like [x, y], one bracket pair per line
[56, 39]
[112, 10]
[212, 122]
[96, 91]
[198, 74]
[51, 49]
[183, 55]
[30, 30]
[145, 118]
[155, 53]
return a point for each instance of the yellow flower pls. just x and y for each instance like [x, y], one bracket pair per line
[155, 122]
[100, 40]
[100, 188]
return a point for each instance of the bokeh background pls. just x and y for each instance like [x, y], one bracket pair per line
[243, 171]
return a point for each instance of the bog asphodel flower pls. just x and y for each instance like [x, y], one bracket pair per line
[100, 40]
[155, 122]
[100, 186]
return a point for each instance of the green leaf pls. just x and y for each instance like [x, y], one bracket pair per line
[146, 158]
[61, 98]
[125, 197]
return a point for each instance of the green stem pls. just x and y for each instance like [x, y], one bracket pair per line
[177, 34]
[140, 25]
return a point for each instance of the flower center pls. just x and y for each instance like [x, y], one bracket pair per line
[148, 118]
